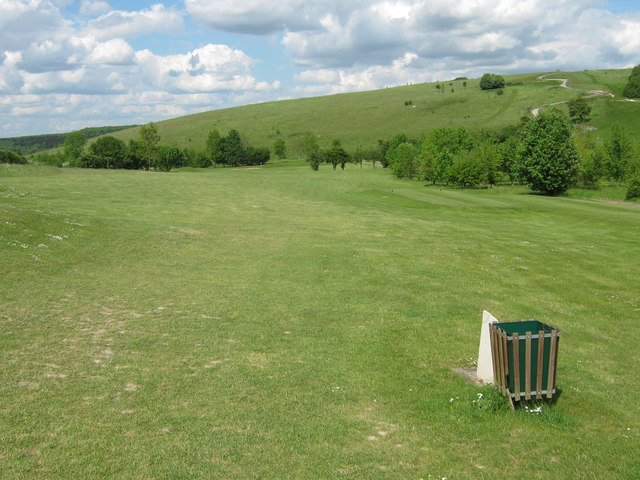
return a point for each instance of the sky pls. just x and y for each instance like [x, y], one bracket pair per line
[66, 65]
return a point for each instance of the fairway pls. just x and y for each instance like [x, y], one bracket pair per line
[280, 323]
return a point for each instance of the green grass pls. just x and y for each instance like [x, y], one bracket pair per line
[289, 324]
[16, 170]
[361, 119]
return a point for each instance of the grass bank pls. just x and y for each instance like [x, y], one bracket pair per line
[284, 323]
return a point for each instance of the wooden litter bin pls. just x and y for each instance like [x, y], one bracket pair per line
[525, 358]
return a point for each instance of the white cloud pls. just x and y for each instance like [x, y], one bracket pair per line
[25, 21]
[89, 8]
[117, 23]
[112, 52]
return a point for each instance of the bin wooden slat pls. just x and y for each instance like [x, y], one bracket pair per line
[540, 364]
[527, 367]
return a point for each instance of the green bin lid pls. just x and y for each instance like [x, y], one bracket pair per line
[521, 328]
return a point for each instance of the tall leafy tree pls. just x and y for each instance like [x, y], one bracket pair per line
[336, 155]
[170, 156]
[107, 152]
[233, 152]
[148, 139]
[579, 110]
[73, 145]
[618, 152]
[547, 155]
[404, 160]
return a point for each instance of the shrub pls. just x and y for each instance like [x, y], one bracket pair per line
[257, 156]
[54, 159]
[633, 190]
[466, 172]
[7, 156]
[490, 81]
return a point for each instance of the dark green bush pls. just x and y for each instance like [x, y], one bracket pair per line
[490, 81]
[7, 156]
[633, 189]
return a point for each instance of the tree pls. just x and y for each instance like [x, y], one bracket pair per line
[404, 160]
[280, 148]
[311, 150]
[579, 110]
[73, 145]
[135, 156]
[233, 152]
[148, 138]
[336, 155]
[487, 156]
[315, 159]
[106, 152]
[590, 171]
[438, 149]
[490, 81]
[547, 157]
[308, 145]
[214, 148]
[466, 172]
[632, 89]
[618, 152]
[390, 146]
[170, 156]
[507, 154]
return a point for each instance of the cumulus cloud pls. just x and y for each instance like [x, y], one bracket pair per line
[207, 69]
[42, 18]
[125, 24]
[481, 33]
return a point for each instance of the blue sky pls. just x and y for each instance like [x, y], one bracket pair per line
[66, 64]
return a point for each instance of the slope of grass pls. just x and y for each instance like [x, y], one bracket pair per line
[281, 323]
[360, 119]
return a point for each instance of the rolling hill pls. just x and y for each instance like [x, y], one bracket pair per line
[360, 119]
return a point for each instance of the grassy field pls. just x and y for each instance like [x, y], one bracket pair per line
[289, 324]
[361, 119]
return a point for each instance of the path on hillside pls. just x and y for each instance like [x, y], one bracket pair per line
[564, 83]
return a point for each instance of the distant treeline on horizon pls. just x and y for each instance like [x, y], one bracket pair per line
[36, 143]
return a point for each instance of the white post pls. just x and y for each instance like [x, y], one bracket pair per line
[485, 362]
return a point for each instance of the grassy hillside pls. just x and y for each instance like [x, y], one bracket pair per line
[289, 324]
[360, 119]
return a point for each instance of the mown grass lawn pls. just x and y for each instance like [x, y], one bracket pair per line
[289, 324]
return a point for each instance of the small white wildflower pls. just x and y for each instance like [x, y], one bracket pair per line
[480, 396]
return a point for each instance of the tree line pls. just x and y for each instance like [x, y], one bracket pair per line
[145, 152]
[541, 152]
